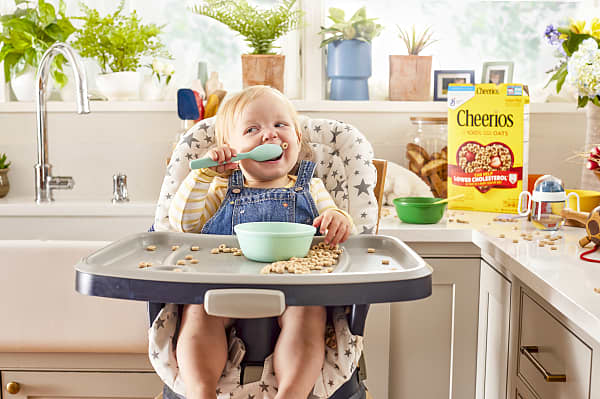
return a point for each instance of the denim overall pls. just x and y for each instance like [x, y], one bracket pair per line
[244, 204]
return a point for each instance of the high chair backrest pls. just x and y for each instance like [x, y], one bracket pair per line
[343, 157]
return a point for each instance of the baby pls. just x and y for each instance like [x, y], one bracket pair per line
[213, 200]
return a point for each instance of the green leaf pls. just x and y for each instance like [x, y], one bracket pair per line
[10, 62]
[596, 101]
[60, 78]
[582, 101]
[337, 15]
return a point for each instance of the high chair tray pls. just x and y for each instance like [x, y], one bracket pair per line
[359, 276]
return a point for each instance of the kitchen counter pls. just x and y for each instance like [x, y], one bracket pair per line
[558, 275]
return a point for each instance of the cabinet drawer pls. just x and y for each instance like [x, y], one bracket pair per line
[89, 385]
[559, 351]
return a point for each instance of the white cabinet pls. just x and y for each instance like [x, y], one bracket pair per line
[75, 385]
[552, 360]
[493, 334]
[77, 375]
[433, 341]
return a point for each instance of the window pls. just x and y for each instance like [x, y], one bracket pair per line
[469, 33]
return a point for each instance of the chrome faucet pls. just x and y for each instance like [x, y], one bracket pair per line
[44, 181]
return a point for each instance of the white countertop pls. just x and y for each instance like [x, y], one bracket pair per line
[558, 276]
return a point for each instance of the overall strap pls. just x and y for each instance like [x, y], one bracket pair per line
[305, 174]
[236, 179]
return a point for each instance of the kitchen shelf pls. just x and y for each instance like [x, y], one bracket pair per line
[301, 106]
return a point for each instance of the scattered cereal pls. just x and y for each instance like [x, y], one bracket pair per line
[214, 251]
[516, 228]
[450, 220]
[194, 261]
[385, 262]
[151, 248]
[284, 145]
[181, 262]
[189, 257]
[237, 253]
[174, 247]
[371, 250]
[144, 264]
[597, 290]
[501, 236]
[222, 246]
[554, 248]
[177, 270]
[462, 221]
[195, 248]
[515, 241]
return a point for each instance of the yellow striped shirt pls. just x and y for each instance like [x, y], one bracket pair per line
[203, 190]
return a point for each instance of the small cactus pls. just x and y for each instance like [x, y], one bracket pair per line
[3, 163]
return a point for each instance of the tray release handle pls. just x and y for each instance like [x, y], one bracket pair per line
[244, 303]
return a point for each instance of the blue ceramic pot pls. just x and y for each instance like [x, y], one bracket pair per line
[349, 68]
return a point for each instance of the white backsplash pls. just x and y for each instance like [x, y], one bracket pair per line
[93, 147]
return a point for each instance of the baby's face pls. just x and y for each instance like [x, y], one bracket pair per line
[266, 120]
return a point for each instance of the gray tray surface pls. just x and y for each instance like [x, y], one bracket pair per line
[355, 265]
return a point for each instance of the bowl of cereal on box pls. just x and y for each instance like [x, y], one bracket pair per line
[419, 210]
[273, 241]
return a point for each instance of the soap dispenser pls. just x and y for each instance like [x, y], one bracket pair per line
[546, 202]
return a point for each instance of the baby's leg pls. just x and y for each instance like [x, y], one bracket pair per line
[300, 350]
[201, 351]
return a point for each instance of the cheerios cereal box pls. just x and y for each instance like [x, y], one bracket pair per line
[488, 138]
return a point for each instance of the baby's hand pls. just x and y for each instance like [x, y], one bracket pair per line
[221, 155]
[336, 226]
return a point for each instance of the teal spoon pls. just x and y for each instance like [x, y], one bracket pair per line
[261, 153]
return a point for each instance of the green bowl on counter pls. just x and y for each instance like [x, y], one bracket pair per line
[273, 241]
[419, 210]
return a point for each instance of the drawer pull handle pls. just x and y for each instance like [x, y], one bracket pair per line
[13, 388]
[527, 352]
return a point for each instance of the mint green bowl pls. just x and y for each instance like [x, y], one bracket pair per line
[273, 241]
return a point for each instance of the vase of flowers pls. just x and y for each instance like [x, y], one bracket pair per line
[578, 47]
[155, 86]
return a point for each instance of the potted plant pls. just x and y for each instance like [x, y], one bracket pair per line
[4, 168]
[26, 34]
[349, 53]
[118, 42]
[260, 28]
[410, 75]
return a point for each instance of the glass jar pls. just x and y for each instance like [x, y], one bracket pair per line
[427, 152]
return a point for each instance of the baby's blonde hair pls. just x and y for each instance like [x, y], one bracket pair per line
[232, 109]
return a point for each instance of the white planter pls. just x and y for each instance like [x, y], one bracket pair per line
[152, 90]
[119, 86]
[23, 85]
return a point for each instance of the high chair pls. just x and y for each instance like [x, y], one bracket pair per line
[355, 180]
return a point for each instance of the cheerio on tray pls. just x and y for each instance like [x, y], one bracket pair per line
[488, 138]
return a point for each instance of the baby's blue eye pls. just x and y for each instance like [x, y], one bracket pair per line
[250, 129]
[280, 124]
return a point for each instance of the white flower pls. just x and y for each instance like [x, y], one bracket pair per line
[169, 69]
[584, 69]
[158, 66]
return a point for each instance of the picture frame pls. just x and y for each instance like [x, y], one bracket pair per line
[497, 72]
[442, 78]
